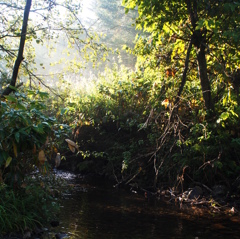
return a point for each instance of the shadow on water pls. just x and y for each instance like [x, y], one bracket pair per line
[96, 210]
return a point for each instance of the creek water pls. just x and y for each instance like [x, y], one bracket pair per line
[96, 210]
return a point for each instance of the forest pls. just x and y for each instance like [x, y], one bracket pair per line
[143, 93]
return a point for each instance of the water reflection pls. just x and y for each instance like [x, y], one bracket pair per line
[97, 210]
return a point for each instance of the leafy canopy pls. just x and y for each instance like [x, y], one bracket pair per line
[212, 27]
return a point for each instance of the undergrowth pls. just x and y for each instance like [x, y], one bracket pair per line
[129, 129]
[27, 208]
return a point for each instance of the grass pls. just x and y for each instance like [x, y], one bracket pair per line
[26, 207]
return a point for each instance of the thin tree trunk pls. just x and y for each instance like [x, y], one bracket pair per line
[199, 41]
[205, 84]
[20, 58]
[184, 77]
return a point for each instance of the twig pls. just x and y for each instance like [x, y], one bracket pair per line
[210, 161]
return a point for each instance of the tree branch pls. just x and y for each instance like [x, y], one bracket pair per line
[184, 77]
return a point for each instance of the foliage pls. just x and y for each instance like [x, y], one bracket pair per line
[46, 29]
[130, 117]
[31, 206]
[24, 131]
[174, 120]
[175, 27]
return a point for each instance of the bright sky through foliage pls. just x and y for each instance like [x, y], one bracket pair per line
[87, 13]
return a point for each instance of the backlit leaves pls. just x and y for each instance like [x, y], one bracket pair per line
[72, 145]
[8, 161]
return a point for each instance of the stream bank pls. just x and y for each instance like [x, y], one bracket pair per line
[93, 208]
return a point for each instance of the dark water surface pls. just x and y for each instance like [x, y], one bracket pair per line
[96, 210]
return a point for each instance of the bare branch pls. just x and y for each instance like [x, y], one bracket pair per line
[31, 74]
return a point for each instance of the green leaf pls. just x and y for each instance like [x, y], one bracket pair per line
[17, 136]
[9, 160]
[51, 119]
[38, 129]
[218, 164]
[25, 131]
[4, 104]
[46, 124]
[12, 87]
[225, 100]
[197, 147]
[224, 116]
[64, 111]
[3, 157]
[43, 94]
[31, 92]
[200, 24]
[11, 98]
[21, 106]
[233, 113]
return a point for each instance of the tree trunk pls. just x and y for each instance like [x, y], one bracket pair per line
[199, 41]
[20, 58]
[184, 77]
[205, 84]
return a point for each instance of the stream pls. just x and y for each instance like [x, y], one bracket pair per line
[95, 209]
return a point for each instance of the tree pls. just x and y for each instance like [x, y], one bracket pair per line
[40, 24]
[19, 59]
[211, 27]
